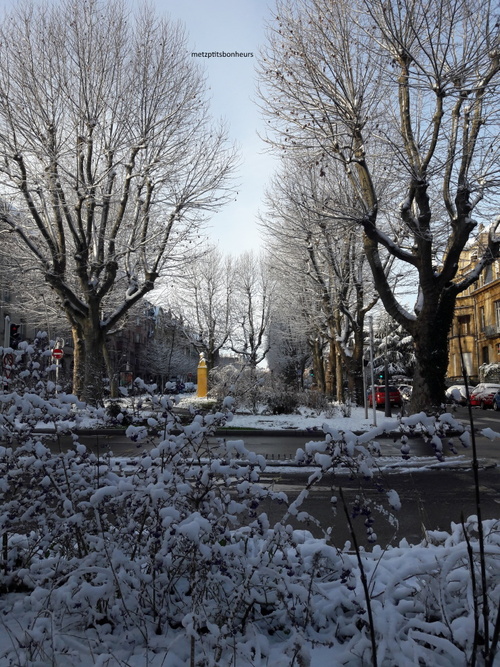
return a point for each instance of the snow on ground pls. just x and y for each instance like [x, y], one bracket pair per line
[351, 419]
[308, 420]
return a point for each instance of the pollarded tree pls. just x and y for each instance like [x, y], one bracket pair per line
[108, 161]
[289, 333]
[404, 96]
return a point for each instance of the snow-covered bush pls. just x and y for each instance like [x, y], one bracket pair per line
[259, 390]
[244, 384]
[169, 542]
[167, 558]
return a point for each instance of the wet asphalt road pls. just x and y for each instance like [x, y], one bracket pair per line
[431, 498]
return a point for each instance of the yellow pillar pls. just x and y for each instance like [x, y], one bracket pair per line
[202, 389]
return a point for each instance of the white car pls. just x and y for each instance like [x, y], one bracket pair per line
[405, 391]
[456, 394]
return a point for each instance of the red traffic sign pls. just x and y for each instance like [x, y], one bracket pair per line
[8, 360]
[57, 353]
[8, 363]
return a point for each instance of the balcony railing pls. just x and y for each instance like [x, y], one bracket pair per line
[491, 331]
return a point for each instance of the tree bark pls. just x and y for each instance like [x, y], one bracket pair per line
[318, 365]
[78, 360]
[430, 335]
[112, 373]
[94, 367]
[355, 367]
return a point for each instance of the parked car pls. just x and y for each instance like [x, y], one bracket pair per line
[483, 394]
[456, 394]
[394, 396]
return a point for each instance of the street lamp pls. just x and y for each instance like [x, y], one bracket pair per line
[374, 400]
[388, 412]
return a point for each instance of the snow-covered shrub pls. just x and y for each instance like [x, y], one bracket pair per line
[283, 403]
[315, 400]
[171, 541]
[167, 557]
[29, 366]
[246, 385]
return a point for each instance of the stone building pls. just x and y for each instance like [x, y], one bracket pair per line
[476, 325]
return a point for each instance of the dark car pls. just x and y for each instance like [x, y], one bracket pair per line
[394, 396]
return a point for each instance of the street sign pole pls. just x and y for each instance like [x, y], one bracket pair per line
[6, 332]
[58, 354]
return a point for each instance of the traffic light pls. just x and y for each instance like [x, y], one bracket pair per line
[381, 375]
[15, 335]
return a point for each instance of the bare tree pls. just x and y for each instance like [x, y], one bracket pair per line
[108, 161]
[328, 252]
[290, 348]
[204, 299]
[254, 288]
[405, 98]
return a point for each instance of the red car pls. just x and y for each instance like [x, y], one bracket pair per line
[483, 394]
[394, 396]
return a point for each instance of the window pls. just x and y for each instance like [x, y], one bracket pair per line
[488, 274]
[497, 315]
[485, 354]
[482, 320]
[464, 324]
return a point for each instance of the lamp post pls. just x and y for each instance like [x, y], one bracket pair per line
[388, 412]
[6, 332]
[374, 400]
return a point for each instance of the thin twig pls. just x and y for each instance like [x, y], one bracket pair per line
[475, 470]
[364, 581]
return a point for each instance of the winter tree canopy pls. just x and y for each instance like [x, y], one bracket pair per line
[404, 97]
[108, 159]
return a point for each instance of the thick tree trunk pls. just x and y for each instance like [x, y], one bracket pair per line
[111, 372]
[89, 369]
[430, 336]
[78, 360]
[318, 366]
[355, 368]
[331, 370]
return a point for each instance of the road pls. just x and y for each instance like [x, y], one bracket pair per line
[431, 499]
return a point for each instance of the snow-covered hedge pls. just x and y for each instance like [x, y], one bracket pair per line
[167, 558]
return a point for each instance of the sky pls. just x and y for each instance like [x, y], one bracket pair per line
[228, 26]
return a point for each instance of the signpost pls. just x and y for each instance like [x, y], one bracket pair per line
[58, 354]
[8, 364]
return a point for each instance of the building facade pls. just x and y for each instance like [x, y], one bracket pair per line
[475, 334]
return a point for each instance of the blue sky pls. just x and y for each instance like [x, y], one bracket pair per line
[232, 25]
